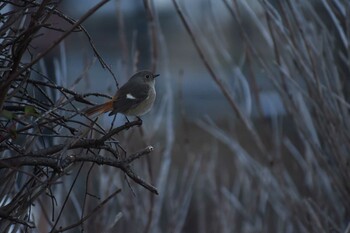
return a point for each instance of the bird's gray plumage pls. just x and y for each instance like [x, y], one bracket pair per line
[135, 97]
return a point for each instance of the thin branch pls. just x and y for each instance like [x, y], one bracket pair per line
[67, 197]
[59, 40]
[91, 213]
[60, 165]
[249, 126]
[16, 220]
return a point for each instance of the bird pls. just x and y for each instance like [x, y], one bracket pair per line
[134, 98]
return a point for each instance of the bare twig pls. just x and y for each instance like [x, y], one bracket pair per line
[91, 213]
[249, 126]
[59, 40]
[40, 160]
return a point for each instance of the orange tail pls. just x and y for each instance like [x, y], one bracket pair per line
[102, 108]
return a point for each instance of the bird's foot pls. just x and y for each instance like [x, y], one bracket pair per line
[139, 119]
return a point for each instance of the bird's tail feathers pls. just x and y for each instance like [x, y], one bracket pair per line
[102, 108]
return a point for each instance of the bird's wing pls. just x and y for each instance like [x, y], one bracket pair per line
[129, 96]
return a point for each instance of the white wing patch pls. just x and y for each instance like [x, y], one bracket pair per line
[130, 96]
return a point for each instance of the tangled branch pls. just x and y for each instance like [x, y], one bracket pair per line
[43, 128]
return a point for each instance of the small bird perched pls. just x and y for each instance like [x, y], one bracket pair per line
[134, 98]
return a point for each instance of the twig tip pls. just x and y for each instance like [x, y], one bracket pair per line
[150, 148]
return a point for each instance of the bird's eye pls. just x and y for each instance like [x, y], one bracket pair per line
[147, 76]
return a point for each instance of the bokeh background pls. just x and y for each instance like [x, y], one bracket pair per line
[250, 128]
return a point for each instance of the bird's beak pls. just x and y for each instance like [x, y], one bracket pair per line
[155, 75]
